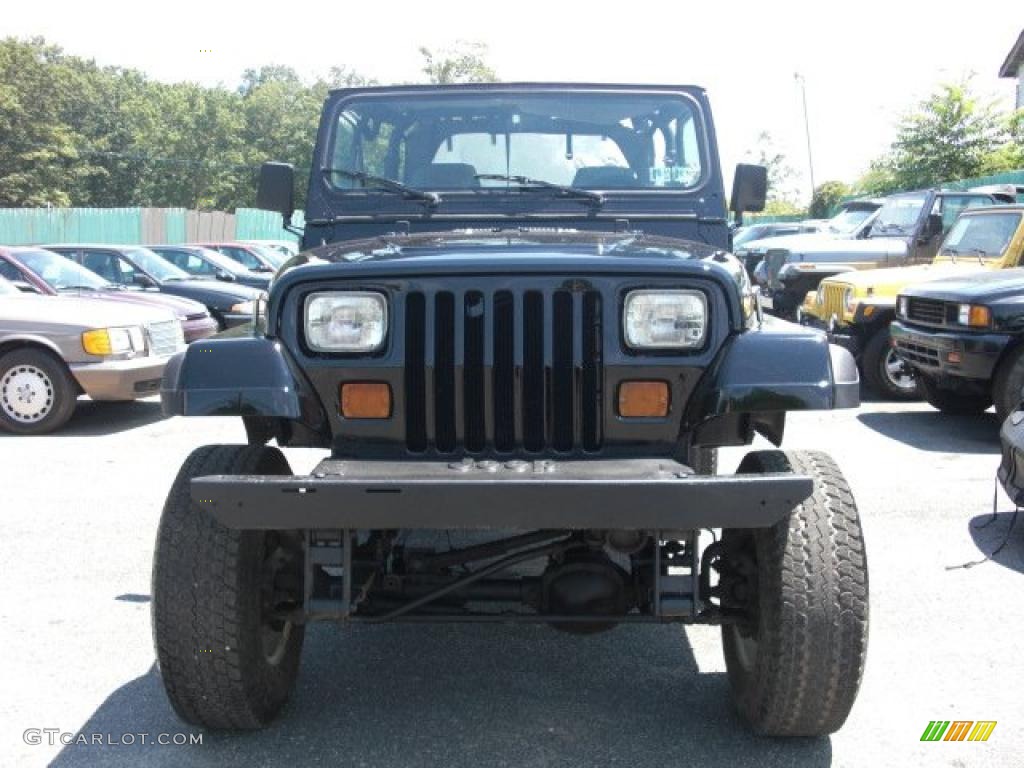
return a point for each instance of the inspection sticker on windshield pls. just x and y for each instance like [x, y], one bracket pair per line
[663, 175]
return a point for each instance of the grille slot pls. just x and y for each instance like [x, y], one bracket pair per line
[503, 371]
[165, 338]
[930, 311]
[918, 353]
[834, 304]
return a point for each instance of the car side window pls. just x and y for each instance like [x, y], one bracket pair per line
[242, 256]
[196, 266]
[10, 271]
[102, 264]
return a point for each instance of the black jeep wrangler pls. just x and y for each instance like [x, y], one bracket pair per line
[515, 318]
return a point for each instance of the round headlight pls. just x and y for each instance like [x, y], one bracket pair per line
[346, 321]
[665, 319]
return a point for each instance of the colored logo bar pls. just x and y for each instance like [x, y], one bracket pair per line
[958, 730]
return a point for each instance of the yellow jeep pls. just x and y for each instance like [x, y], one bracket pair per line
[856, 307]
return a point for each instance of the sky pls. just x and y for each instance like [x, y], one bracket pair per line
[863, 63]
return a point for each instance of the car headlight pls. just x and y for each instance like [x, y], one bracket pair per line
[346, 321]
[849, 301]
[974, 316]
[665, 319]
[901, 306]
[243, 308]
[114, 341]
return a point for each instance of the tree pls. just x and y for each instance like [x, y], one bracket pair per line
[948, 136]
[462, 63]
[826, 197]
[1009, 156]
[781, 195]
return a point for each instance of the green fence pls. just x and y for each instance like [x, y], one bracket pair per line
[135, 226]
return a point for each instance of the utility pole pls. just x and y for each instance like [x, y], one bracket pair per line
[807, 126]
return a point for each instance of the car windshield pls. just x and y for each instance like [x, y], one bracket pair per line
[60, 273]
[845, 222]
[987, 235]
[587, 140]
[224, 262]
[898, 215]
[272, 255]
[156, 265]
[748, 234]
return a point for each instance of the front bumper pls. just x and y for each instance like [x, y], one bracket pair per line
[120, 379]
[1011, 469]
[632, 494]
[232, 320]
[929, 351]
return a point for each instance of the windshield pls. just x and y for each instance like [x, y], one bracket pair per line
[156, 265]
[845, 222]
[58, 272]
[274, 256]
[588, 140]
[898, 215]
[747, 234]
[224, 262]
[986, 236]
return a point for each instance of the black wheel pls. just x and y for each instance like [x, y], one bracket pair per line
[227, 656]
[1007, 384]
[884, 372]
[37, 392]
[953, 402]
[796, 656]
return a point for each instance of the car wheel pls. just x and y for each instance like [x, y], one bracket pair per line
[798, 600]
[227, 652]
[1007, 384]
[952, 402]
[885, 373]
[37, 392]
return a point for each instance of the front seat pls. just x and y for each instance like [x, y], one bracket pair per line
[444, 176]
[604, 177]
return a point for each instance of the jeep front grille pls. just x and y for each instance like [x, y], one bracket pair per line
[833, 295]
[503, 371]
[929, 311]
[165, 338]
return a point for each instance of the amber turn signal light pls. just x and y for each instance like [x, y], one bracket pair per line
[365, 400]
[639, 399]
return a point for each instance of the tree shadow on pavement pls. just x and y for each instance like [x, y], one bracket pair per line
[935, 431]
[470, 695]
[993, 532]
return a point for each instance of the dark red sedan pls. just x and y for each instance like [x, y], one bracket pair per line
[36, 270]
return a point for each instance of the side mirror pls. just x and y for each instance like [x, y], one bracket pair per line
[226, 276]
[24, 286]
[141, 280]
[749, 190]
[276, 191]
[932, 227]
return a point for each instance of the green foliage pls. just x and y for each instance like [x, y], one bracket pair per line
[948, 136]
[826, 197]
[781, 194]
[462, 63]
[75, 133]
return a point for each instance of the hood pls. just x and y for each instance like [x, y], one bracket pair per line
[73, 312]
[205, 291]
[897, 277]
[809, 247]
[180, 306]
[981, 287]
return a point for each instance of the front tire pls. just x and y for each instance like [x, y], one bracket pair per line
[226, 660]
[884, 373]
[952, 402]
[37, 392]
[796, 657]
[1007, 384]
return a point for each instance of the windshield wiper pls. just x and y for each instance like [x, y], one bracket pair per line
[525, 182]
[431, 199]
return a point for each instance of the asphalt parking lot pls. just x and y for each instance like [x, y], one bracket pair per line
[80, 510]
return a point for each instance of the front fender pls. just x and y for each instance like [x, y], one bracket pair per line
[239, 377]
[777, 367]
